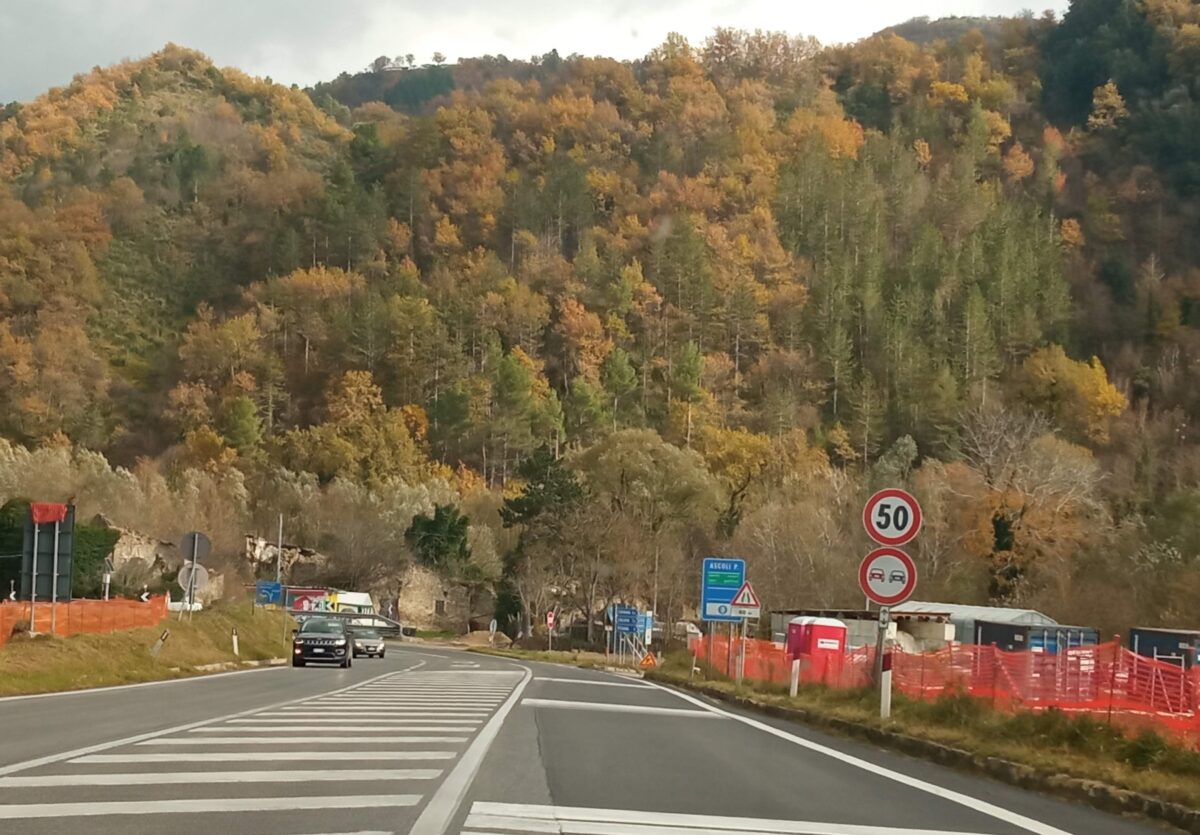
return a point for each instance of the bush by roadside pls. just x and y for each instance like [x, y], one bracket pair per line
[44, 664]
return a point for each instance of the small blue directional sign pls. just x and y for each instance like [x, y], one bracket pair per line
[721, 578]
[267, 593]
[627, 619]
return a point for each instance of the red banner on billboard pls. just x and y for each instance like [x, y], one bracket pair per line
[45, 512]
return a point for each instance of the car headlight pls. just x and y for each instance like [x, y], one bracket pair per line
[340, 642]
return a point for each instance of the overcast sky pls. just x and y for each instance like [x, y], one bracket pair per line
[43, 43]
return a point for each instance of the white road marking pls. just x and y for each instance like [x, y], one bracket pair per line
[592, 682]
[583, 821]
[213, 804]
[258, 756]
[139, 778]
[338, 728]
[443, 805]
[129, 740]
[296, 740]
[423, 713]
[989, 809]
[617, 708]
[336, 721]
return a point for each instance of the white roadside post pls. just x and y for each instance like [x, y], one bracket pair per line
[794, 684]
[885, 674]
[235, 643]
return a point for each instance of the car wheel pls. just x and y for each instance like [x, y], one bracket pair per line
[297, 662]
[381, 653]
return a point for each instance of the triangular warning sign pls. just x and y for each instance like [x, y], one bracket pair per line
[745, 597]
[648, 661]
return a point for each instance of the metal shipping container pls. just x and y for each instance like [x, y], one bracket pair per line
[1179, 646]
[1017, 637]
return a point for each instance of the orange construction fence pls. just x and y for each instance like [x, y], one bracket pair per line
[1106, 681]
[82, 616]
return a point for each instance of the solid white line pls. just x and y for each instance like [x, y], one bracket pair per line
[295, 740]
[114, 688]
[139, 778]
[129, 740]
[340, 728]
[443, 805]
[259, 756]
[989, 809]
[591, 681]
[617, 708]
[214, 804]
[583, 821]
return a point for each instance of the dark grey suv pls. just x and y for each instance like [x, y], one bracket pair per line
[323, 640]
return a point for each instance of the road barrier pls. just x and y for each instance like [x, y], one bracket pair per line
[82, 616]
[1107, 681]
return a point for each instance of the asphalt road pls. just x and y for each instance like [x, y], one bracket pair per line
[433, 741]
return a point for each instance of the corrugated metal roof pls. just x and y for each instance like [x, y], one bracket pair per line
[993, 614]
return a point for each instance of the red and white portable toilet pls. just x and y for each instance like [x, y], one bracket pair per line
[820, 644]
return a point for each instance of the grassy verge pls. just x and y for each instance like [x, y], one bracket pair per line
[45, 665]
[577, 659]
[1050, 742]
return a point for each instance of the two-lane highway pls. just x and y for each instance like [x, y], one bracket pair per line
[432, 741]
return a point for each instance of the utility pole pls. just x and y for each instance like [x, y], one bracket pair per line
[279, 552]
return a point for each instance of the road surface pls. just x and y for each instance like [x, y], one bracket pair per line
[438, 741]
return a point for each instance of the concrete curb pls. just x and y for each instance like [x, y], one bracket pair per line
[1093, 793]
[225, 666]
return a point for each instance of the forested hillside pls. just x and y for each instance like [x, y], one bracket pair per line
[623, 314]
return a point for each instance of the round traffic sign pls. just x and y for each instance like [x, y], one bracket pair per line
[892, 517]
[887, 576]
[195, 546]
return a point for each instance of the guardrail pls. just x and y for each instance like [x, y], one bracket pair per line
[383, 625]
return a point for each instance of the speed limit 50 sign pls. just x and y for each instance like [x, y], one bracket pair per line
[892, 517]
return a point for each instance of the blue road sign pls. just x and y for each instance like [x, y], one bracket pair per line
[719, 583]
[627, 619]
[267, 593]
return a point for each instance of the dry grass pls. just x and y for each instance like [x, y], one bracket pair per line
[575, 658]
[44, 664]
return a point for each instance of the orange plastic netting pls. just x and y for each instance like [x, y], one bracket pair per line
[82, 616]
[1106, 681]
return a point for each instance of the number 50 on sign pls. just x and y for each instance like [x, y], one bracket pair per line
[892, 517]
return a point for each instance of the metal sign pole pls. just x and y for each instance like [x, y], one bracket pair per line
[33, 584]
[54, 585]
[192, 577]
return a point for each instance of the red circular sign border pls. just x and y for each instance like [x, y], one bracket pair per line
[909, 587]
[893, 493]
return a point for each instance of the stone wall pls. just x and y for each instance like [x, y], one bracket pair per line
[423, 599]
[140, 558]
[300, 566]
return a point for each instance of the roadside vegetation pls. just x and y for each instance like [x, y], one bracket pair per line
[44, 664]
[1051, 742]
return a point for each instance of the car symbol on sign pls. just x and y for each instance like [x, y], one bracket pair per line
[897, 577]
[876, 574]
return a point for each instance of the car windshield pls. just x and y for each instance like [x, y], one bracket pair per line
[324, 626]
[369, 634]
